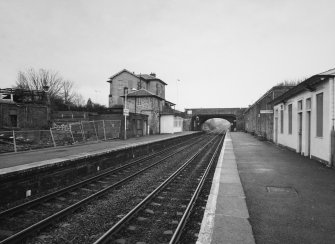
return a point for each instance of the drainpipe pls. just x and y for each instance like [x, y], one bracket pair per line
[332, 134]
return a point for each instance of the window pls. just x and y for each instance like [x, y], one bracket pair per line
[319, 115]
[308, 104]
[290, 119]
[282, 121]
[300, 105]
[139, 101]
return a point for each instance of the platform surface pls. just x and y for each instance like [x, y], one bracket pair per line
[10, 162]
[289, 198]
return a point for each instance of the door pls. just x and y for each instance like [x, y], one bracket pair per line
[276, 130]
[308, 133]
[299, 132]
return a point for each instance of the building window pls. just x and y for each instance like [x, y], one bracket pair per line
[319, 115]
[290, 119]
[308, 104]
[282, 121]
[139, 101]
[300, 105]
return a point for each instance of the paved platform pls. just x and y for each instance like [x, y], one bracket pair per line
[11, 162]
[288, 198]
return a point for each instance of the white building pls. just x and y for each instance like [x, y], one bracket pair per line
[304, 118]
[171, 122]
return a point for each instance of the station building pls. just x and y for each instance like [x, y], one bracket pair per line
[145, 95]
[304, 118]
[258, 118]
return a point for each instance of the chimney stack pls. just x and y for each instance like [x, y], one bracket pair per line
[153, 74]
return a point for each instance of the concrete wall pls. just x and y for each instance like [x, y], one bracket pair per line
[167, 122]
[320, 147]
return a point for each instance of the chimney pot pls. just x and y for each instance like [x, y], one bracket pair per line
[153, 74]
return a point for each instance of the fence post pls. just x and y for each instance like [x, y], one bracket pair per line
[71, 132]
[82, 130]
[95, 129]
[103, 125]
[14, 141]
[52, 137]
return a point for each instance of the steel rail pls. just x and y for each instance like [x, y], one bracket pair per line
[105, 237]
[39, 200]
[47, 221]
[178, 231]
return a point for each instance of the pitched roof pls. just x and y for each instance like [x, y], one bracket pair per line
[150, 78]
[142, 93]
[140, 76]
[308, 84]
[124, 70]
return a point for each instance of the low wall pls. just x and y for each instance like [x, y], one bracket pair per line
[14, 186]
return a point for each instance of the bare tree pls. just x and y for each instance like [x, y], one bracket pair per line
[78, 100]
[59, 89]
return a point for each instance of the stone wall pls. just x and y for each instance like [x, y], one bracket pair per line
[23, 116]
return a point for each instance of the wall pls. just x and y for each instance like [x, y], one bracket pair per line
[157, 88]
[167, 123]
[319, 146]
[117, 87]
[261, 124]
[150, 106]
[177, 124]
[29, 116]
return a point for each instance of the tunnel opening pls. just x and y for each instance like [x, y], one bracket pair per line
[215, 125]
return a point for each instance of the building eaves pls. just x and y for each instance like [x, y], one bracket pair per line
[309, 85]
[265, 95]
[142, 93]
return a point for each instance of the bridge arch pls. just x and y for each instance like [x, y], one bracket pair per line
[197, 116]
[197, 120]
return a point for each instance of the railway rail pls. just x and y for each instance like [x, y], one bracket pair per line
[162, 215]
[28, 218]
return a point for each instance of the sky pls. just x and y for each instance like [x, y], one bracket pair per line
[213, 53]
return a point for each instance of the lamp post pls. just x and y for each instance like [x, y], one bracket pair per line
[125, 112]
[46, 90]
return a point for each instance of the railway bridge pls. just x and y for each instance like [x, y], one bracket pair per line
[198, 116]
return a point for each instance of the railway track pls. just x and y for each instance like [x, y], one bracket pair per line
[162, 215]
[28, 218]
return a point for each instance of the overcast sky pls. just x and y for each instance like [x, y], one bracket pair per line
[226, 53]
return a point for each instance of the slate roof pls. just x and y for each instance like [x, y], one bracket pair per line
[308, 84]
[140, 76]
[142, 93]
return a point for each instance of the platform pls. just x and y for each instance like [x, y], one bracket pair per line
[10, 162]
[267, 194]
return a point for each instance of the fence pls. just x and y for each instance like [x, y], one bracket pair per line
[59, 135]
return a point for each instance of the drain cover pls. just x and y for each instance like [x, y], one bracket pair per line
[281, 190]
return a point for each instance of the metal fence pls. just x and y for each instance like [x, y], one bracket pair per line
[59, 135]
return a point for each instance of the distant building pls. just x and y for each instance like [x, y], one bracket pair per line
[146, 95]
[304, 118]
[133, 81]
[258, 118]
[23, 109]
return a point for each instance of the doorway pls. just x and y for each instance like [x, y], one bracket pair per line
[299, 132]
[308, 133]
[276, 130]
